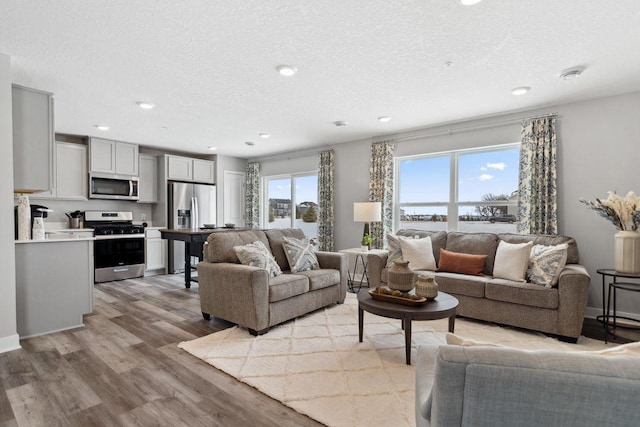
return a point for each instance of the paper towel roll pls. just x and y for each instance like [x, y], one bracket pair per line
[24, 218]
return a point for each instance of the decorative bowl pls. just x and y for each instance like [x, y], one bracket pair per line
[209, 225]
[229, 225]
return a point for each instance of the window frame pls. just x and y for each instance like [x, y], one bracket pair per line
[264, 211]
[453, 204]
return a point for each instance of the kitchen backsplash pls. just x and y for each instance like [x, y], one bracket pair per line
[141, 211]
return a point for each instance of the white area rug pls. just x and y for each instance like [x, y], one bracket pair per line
[315, 364]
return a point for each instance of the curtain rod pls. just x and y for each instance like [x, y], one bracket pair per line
[459, 129]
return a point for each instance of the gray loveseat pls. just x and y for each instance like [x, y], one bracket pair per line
[492, 386]
[247, 296]
[558, 310]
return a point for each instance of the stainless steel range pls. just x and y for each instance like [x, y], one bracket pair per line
[118, 250]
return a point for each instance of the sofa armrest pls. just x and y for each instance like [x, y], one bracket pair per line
[573, 293]
[376, 262]
[336, 261]
[235, 292]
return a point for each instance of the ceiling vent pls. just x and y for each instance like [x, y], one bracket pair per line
[570, 73]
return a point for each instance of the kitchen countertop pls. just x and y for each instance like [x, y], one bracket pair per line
[70, 239]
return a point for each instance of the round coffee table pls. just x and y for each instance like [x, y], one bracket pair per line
[443, 306]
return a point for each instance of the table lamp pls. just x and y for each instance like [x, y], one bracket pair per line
[367, 212]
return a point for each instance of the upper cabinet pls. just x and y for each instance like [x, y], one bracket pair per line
[188, 169]
[148, 184]
[70, 173]
[113, 157]
[32, 140]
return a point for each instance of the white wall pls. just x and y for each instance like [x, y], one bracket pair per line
[9, 339]
[598, 151]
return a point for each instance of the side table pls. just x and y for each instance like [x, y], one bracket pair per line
[614, 286]
[358, 268]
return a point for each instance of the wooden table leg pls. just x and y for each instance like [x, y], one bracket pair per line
[452, 323]
[407, 339]
[360, 322]
[187, 265]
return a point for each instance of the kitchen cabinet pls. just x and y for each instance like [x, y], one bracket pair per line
[70, 173]
[187, 169]
[155, 252]
[148, 184]
[54, 285]
[113, 157]
[32, 112]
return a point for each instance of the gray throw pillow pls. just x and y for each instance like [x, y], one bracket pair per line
[546, 263]
[256, 254]
[395, 250]
[299, 254]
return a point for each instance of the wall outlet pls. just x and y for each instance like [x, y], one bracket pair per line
[143, 217]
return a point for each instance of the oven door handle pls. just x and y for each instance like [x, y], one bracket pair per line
[120, 270]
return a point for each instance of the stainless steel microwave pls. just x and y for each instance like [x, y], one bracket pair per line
[114, 187]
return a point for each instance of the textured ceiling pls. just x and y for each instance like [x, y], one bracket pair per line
[210, 65]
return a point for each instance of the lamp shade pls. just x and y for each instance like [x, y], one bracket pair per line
[367, 211]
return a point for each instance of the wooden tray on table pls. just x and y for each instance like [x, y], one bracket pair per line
[397, 300]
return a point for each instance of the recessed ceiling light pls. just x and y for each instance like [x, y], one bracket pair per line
[384, 119]
[250, 143]
[520, 90]
[212, 148]
[146, 105]
[264, 135]
[341, 123]
[102, 127]
[287, 70]
[448, 64]
[469, 2]
[570, 73]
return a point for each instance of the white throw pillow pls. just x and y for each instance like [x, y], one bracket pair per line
[546, 263]
[395, 252]
[256, 254]
[419, 253]
[512, 260]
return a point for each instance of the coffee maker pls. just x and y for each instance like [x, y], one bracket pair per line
[35, 212]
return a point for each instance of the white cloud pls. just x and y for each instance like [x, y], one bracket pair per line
[499, 166]
[485, 177]
[483, 168]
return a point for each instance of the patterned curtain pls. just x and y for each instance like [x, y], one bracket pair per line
[537, 202]
[381, 190]
[325, 200]
[252, 196]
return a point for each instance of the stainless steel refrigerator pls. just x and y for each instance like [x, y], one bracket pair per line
[190, 206]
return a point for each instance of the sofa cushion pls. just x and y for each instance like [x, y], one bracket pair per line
[512, 260]
[256, 254]
[438, 239]
[474, 243]
[521, 293]
[220, 244]
[573, 257]
[546, 263]
[299, 254]
[463, 263]
[275, 237]
[419, 253]
[287, 286]
[462, 284]
[319, 279]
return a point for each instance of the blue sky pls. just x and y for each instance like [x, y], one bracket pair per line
[479, 173]
[306, 188]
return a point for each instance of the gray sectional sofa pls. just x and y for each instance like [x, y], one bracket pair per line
[249, 297]
[558, 310]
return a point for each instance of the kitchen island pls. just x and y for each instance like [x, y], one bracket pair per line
[54, 284]
[193, 245]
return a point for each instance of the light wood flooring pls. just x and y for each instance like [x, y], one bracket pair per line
[124, 368]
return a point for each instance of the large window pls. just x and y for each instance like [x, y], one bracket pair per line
[467, 190]
[292, 202]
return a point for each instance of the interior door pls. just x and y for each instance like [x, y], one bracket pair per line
[233, 194]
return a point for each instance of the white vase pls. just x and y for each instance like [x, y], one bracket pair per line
[24, 218]
[627, 252]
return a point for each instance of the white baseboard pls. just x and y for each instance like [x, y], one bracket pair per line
[10, 343]
[592, 312]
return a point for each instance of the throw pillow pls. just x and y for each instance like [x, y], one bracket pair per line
[512, 260]
[256, 254]
[454, 262]
[546, 263]
[299, 254]
[419, 253]
[395, 251]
